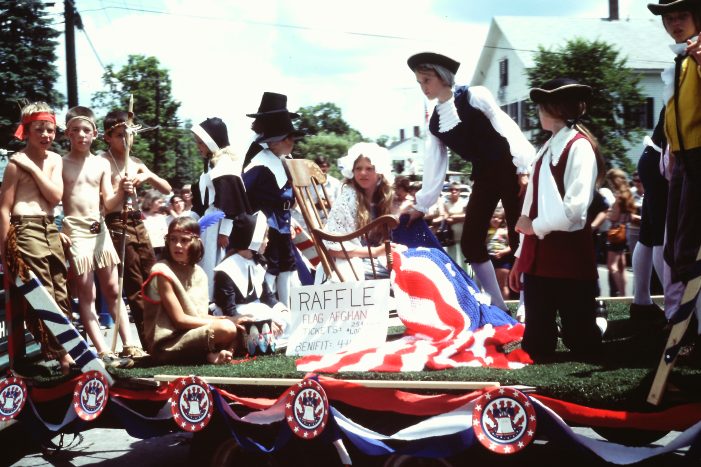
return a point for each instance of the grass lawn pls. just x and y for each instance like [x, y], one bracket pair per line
[622, 382]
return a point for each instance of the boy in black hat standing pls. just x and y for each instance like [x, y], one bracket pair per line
[270, 191]
[271, 103]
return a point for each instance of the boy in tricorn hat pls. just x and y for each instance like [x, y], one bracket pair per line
[556, 256]
[469, 121]
[682, 21]
[270, 191]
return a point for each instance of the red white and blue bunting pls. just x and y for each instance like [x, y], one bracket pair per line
[442, 425]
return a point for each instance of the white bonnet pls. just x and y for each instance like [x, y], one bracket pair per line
[378, 156]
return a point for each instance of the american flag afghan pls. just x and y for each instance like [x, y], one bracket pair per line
[446, 325]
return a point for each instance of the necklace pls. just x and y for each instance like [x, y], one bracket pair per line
[116, 166]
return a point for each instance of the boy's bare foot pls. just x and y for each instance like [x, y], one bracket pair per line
[219, 358]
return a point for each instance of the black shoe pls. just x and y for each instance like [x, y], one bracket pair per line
[650, 312]
[602, 316]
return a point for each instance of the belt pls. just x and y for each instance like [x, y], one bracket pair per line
[131, 215]
[43, 218]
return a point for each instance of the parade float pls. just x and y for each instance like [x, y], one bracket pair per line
[441, 386]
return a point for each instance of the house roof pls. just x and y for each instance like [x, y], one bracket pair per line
[643, 42]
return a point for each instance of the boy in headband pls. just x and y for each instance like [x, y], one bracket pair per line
[86, 181]
[32, 186]
[138, 254]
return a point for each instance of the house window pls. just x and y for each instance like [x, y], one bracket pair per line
[643, 115]
[503, 72]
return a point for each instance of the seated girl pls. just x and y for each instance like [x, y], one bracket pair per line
[177, 324]
[365, 195]
[239, 280]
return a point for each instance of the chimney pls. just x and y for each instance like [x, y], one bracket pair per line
[613, 10]
[401, 134]
[417, 132]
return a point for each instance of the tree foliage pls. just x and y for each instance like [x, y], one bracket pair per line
[612, 113]
[169, 150]
[327, 133]
[27, 56]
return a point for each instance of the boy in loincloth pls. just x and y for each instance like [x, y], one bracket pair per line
[138, 253]
[86, 182]
[29, 240]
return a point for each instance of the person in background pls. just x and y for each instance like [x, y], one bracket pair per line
[621, 214]
[500, 253]
[556, 256]
[402, 194]
[452, 211]
[332, 185]
[469, 121]
[155, 220]
[186, 196]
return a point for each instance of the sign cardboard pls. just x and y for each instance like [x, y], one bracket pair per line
[332, 317]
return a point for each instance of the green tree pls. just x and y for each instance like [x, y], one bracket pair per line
[327, 133]
[612, 114]
[168, 150]
[329, 145]
[27, 56]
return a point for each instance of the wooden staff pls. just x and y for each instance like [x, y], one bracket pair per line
[125, 217]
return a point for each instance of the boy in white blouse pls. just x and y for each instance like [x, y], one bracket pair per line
[556, 254]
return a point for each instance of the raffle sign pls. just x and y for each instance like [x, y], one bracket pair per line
[334, 317]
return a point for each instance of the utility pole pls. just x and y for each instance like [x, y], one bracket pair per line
[71, 73]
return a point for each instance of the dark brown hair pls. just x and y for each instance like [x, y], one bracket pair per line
[574, 109]
[114, 118]
[189, 225]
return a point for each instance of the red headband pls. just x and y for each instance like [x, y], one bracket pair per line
[35, 117]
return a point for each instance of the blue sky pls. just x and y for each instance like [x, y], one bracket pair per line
[222, 55]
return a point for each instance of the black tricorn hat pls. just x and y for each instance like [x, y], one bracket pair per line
[667, 6]
[272, 103]
[561, 88]
[276, 127]
[431, 58]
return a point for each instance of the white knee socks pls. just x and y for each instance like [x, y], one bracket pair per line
[642, 271]
[487, 277]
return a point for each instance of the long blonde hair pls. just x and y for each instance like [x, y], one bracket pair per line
[382, 199]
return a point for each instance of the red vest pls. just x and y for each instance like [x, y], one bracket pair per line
[564, 255]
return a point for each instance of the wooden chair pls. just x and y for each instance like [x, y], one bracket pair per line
[307, 178]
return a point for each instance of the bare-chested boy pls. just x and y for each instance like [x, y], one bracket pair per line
[86, 182]
[138, 254]
[31, 188]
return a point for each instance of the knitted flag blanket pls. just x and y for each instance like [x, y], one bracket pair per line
[446, 324]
